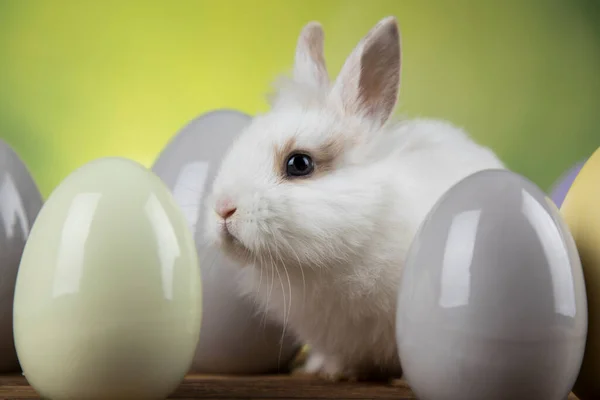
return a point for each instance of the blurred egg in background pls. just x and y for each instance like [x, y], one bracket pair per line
[235, 337]
[20, 202]
[563, 184]
[82, 80]
[581, 212]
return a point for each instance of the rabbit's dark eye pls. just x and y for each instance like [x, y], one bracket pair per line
[299, 164]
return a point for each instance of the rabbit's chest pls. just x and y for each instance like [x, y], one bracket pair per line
[340, 316]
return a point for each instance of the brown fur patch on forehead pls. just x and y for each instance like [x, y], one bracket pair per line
[324, 156]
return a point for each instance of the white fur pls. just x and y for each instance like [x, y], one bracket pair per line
[327, 253]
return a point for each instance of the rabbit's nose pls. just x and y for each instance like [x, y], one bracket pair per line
[225, 208]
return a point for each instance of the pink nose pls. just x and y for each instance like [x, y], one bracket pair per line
[225, 208]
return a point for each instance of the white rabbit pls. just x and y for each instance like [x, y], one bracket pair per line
[319, 200]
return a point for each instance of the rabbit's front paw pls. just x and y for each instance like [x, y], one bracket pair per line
[326, 367]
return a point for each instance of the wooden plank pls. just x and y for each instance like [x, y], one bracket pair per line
[15, 387]
[278, 387]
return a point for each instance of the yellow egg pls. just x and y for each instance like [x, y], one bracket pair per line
[581, 211]
[108, 295]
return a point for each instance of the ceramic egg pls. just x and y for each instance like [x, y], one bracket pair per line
[563, 184]
[108, 295]
[235, 338]
[492, 301]
[581, 211]
[20, 202]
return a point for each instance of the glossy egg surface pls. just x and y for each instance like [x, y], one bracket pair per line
[20, 202]
[581, 211]
[108, 296]
[492, 302]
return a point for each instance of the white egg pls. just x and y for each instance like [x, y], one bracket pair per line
[20, 202]
[108, 295]
[492, 303]
[235, 338]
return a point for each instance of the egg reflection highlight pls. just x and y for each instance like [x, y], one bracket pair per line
[108, 296]
[492, 302]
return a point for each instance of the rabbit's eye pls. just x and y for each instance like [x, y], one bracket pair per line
[299, 164]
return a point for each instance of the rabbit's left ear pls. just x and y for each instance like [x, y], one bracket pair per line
[369, 81]
[309, 65]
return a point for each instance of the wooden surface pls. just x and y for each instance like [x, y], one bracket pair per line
[249, 387]
[15, 387]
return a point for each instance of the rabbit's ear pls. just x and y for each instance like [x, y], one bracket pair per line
[309, 65]
[369, 80]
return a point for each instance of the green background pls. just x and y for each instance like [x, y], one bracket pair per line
[86, 79]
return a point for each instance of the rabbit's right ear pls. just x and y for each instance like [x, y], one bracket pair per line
[309, 65]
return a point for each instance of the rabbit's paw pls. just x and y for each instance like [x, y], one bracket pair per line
[326, 367]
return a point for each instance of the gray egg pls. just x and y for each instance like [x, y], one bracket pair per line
[492, 303]
[234, 337]
[20, 202]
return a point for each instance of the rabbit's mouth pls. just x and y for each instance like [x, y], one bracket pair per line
[232, 246]
[227, 235]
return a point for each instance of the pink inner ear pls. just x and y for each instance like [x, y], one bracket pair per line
[369, 81]
[380, 74]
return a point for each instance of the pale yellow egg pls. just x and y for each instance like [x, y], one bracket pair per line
[581, 211]
[108, 294]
